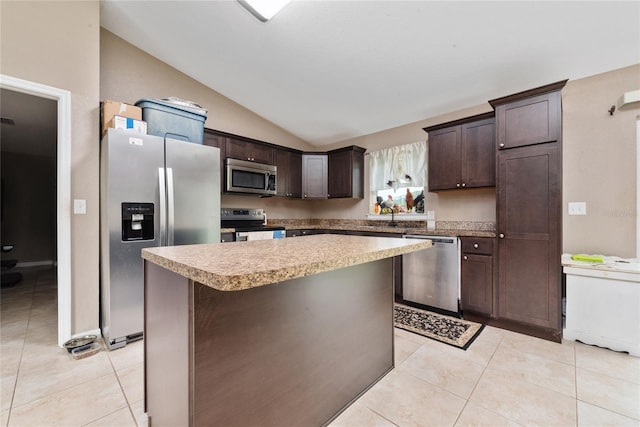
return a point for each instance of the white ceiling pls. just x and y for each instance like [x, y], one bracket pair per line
[332, 70]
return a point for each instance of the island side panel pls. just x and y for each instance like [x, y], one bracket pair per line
[166, 349]
[295, 353]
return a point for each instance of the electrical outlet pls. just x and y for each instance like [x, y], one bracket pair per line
[431, 214]
[577, 208]
[79, 206]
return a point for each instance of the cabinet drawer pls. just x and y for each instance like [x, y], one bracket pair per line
[477, 245]
[298, 233]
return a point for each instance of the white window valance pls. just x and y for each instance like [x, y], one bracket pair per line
[400, 166]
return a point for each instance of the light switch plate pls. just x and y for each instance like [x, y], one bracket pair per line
[431, 225]
[577, 208]
[79, 206]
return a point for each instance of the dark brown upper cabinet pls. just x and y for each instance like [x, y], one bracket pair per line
[346, 173]
[319, 175]
[289, 164]
[243, 149]
[213, 139]
[529, 118]
[462, 153]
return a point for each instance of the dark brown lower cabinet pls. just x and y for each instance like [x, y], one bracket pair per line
[476, 276]
[477, 279]
[292, 353]
[299, 233]
[529, 215]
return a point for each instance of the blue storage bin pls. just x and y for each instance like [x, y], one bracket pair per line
[166, 118]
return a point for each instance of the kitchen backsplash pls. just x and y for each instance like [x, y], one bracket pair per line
[440, 225]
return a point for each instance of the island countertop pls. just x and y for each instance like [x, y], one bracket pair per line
[238, 266]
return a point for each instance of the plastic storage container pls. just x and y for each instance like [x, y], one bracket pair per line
[174, 119]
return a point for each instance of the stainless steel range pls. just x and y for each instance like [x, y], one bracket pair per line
[249, 224]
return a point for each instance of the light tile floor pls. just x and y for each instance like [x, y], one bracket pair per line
[503, 379]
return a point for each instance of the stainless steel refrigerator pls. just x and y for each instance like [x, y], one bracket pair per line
[153, 192]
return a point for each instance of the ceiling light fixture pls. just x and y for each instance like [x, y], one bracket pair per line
[264, 9]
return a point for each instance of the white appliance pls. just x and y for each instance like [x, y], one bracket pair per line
[153, 192]
[603, 303]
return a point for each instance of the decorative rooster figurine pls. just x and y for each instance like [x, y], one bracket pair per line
[409, 199]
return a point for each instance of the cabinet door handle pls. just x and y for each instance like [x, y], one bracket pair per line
[475, 245]
[464, 184]
[501, 236]
[458, 185]
[501, 145]
[465, 257]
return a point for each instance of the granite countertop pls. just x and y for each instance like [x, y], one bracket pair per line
[443, 228]
[383, 228]
[237, 266]
[386, 229]
[610, 264]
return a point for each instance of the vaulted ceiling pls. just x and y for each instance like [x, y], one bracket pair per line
[332, 70]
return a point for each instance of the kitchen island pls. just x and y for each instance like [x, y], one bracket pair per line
[272, 332]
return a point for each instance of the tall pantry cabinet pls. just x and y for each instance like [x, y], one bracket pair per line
[529, 203]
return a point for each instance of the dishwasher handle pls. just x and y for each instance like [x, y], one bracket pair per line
[434, 239]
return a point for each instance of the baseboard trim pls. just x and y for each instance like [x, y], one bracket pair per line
[36, 263]
[514, 326]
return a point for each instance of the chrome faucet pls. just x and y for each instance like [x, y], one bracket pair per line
[392, 223]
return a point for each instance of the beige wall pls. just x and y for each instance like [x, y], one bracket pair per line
[469, 205]
[60, 44]
[57, 44]
[29, 206]
[599, 167]
[591, 168]
[599, 164]
[129, 74]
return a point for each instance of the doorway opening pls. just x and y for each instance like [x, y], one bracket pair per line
[41, 228]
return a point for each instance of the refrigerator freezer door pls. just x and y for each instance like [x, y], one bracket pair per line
[193, 179]
[129, 176]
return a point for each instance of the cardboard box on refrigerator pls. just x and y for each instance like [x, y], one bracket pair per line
[119, 122]
[110, 109]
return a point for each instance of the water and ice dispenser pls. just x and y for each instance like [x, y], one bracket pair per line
[137, 221]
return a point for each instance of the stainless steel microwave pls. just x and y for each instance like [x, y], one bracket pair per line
[249, 177]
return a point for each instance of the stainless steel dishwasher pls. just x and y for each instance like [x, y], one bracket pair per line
[431, 277]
